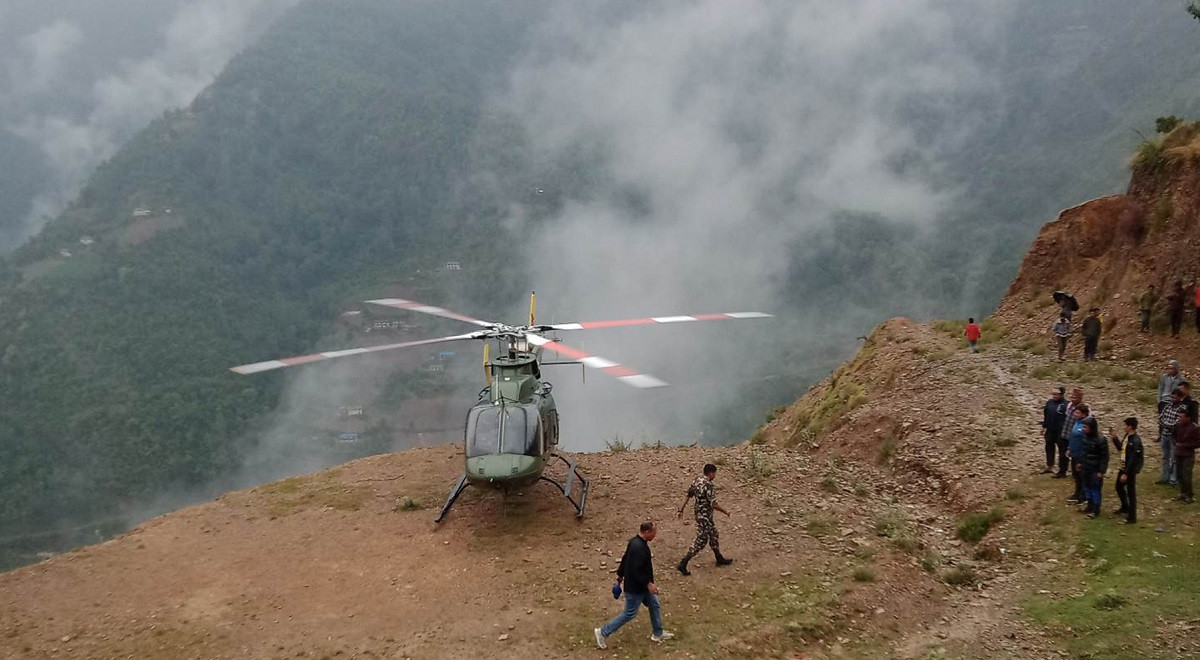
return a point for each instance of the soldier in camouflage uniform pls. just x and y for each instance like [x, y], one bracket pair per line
[706, 530]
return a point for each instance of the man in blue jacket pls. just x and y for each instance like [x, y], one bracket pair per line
[636, 573]
[1054, 415]
[1075, 441]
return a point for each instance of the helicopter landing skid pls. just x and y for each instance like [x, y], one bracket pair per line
[459, 487]
[572, 474]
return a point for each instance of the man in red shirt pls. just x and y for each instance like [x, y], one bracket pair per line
[973, 334]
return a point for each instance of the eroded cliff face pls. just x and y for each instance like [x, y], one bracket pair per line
[1109, 250]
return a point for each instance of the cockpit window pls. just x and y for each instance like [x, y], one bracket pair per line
[483, 432]
[503, 430]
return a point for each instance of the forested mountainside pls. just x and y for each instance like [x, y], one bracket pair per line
[323, 161]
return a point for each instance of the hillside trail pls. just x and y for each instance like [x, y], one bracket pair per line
[989, 620]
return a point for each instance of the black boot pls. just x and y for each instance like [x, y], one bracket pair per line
[721, 561]
[683, 566]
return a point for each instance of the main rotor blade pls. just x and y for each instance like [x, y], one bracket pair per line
[414, 306]
[621, 373]
[328, 355]
[591, 325]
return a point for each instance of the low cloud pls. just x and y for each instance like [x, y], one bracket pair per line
[197, 42]
[736, 129]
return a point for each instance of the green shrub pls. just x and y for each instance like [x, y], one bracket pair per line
[1148, 157]
[758, 464]
[887, 448]
[1167, 124]
[1110, 600]
[975, 526]
[864, 574]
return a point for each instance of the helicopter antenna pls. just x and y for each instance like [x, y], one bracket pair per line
[532, 307]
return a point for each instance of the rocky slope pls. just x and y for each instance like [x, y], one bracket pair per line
[1109, 250]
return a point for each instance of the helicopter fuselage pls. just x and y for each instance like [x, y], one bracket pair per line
[512, 431]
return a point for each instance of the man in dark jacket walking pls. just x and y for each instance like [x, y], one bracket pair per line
[636, 573]
[1131, 457]
[1054, 415]
[1187, 439]
[1175, 302]
[1091, 329]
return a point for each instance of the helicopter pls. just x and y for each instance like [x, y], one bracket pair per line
[512, 431]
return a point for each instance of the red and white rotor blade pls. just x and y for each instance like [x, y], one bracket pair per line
[414, 306]
[329, 355]
[650, 320]
[618, 371]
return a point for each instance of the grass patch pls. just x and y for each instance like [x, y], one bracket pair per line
[1005, 438]
[829, 483]
[1139, 590]
[863, 574]
[974, 527]
[803, 608]
[321, 491]
[1136, 353]
[407, 503]
[819, 526]
[617, 445]
[1043, 372]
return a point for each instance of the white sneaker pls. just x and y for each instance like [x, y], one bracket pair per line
[600, 639]
[666, 634]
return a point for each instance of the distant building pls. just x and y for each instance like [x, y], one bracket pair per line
[86, 240]
[353, 312]
[65, 253]
[141, 212]
[350, 411]
[347, 438]
[453, 265]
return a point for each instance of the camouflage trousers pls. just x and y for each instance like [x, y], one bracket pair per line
[706, 534]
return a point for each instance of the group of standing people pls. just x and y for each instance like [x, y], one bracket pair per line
[1091, 329]
[636, 570]
[1177, 302]
[1072, 439]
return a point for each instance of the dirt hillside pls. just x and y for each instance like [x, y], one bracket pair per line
[1109, 250]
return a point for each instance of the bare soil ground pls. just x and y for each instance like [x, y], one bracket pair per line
[844, 540]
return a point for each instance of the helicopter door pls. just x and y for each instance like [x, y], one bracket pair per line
[551, 431]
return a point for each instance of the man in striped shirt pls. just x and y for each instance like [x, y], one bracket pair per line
[1167, 420]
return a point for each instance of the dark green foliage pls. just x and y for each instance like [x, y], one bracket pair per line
[1166, 124]
[975, 526]
[312, 172]
[1194, 10]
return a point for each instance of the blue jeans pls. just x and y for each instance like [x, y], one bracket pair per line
[1168, 458]
[632, 602]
